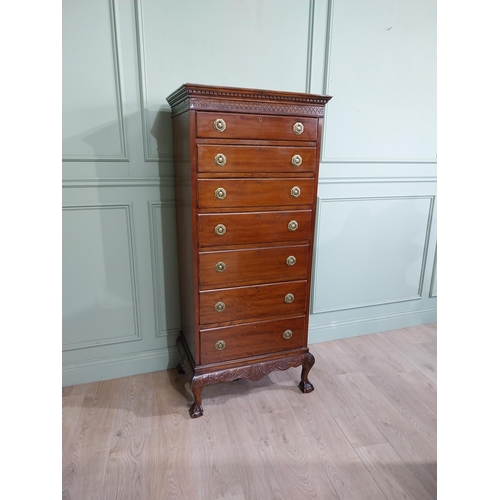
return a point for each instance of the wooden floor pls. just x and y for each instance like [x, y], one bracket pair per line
[368, 431]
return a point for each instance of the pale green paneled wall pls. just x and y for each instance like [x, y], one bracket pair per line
[375, 259]
[382, 74]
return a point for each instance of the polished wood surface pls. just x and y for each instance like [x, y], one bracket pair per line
[254, 265]
[185, 196]
[247, 163]
[351, 438]
[251, 302]
[254, 227]
[255, 192]
[255, 159]
[252, 339]
[253, 126]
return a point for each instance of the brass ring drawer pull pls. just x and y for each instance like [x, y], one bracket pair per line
[296, 160]
[289, 298]
[220, 193]
[220, 344]
[220, 306]
[293, 225]
[220, 267]
[287, 334]
[220, 159]
[298, 128]
[220, 125]
[291, 260]
[295, 191]
[220, 229]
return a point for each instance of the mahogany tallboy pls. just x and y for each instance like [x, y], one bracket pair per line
[246, 170]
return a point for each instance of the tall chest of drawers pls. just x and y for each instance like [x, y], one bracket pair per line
[246, 173]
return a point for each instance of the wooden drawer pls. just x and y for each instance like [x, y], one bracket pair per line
[252, 265]
[252, 339]
[219, 193]
[250, 126]
[253, 227]
[246, 302]
[233, 159]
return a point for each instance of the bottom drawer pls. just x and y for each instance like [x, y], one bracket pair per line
[252, 339]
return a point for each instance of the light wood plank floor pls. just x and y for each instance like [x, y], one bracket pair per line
[368, 431]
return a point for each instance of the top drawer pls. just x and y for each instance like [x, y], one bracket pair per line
[263, 127]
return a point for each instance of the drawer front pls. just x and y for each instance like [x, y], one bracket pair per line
[233, 159]
[249, 126]
[253, 227]
[248, 302]
[252, 339]
[233, 193]
[255, 264]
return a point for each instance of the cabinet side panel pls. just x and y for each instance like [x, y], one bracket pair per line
[184, 209]
[313, 218]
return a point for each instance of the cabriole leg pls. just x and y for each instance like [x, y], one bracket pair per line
[304, 384]
[196, 409]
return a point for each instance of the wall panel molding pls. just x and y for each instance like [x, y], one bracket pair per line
[328, 51]
[123, 156]
[120, 182]
[141, 55]
[404, 161]
[374, 180]
[157, 259]
[432, 290]
[326, 77]
[103, 341]
[315, 309]
[310, 40]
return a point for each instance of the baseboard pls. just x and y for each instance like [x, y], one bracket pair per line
[119, 366]
[343, 329]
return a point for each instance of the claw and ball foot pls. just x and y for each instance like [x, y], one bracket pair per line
[304, 385]
[196, 409]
